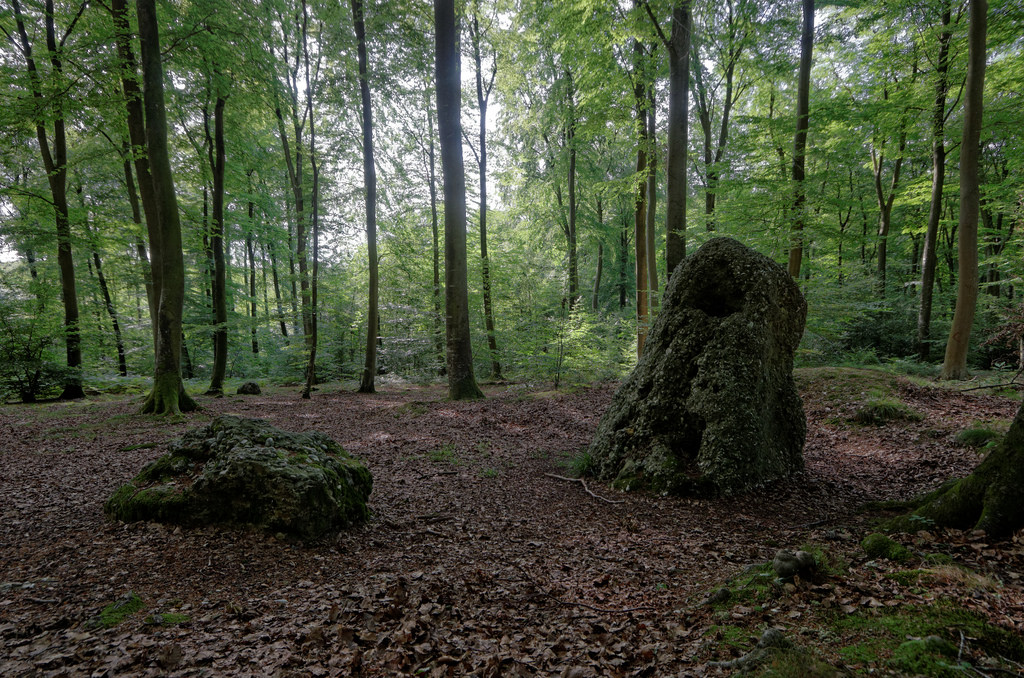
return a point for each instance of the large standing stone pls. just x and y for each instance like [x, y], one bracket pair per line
[246, 472]
[711, 406]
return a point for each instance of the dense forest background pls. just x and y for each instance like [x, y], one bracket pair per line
[304, 145]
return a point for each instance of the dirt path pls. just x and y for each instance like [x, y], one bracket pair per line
[475, 560]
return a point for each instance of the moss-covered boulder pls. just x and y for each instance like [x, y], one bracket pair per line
[711, 407]
[249, 388]
[246, 472]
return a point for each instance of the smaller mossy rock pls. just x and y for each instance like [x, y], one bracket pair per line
[880, 546]
[249, 388]
[245, 472]
[788, 564]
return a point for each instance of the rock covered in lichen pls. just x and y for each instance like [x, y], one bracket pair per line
[249, 388]
[245, 472]
[711, 407]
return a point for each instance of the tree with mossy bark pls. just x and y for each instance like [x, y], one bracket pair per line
[168, 395]
[990, 499]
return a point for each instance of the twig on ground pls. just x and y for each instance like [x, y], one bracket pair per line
[979, 388]
[582, 482]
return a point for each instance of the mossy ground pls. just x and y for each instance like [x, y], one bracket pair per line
[909, 631]
[117, 611]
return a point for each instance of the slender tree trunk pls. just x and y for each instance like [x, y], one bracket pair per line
[251, 252]
[108, 303]
[570, 140]
[640, 202]
[885, 203]
[955, 364]
[595, 301]
[309, 297]
[461, 380]
[652, 201]
[215, 149]
[439, 330]
[800, 138]
[277, 290]
[623, 261]
[483, 94]
[56, 166]
[678, 135]
[295, 177]
[928, 258]
[168, 395]
[366, 381]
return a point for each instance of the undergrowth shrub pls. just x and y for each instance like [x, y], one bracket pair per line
[30, 367]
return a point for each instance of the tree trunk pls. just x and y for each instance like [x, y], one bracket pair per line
[928, 258]
[640, 201]
[885, 204]
[309, 298]
[140, 159]
[56, 166]
[800, 138]
[216, 156]
[570, 234]
[483, 94]
[955, 364]
[439, 330]
[988, 499]
[108, 302]
[277, 289]
[461, 380]
[366, 381]
[594, 304]
[168, 395]
[623, 261]
[652, 200]
[251, 252]
[678, 135]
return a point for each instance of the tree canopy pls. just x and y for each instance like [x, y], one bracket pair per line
[304, 142]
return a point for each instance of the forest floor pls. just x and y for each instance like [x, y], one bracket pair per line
[478, 562]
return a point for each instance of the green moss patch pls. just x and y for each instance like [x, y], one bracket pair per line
[880, 546]
[978, 436]
[881, 635]
[115, 613]
[881, 407]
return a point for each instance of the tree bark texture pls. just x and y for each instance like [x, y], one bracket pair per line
[55, 163]
[215, 150]
[461, 380]
[483, 93]
[955, 364]
[652, 211]
[640, 202]
[678, 134]
[800, 138]
[366, 381]
[168, 395]
[309, 298]
[928, 258]
[439, 331]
